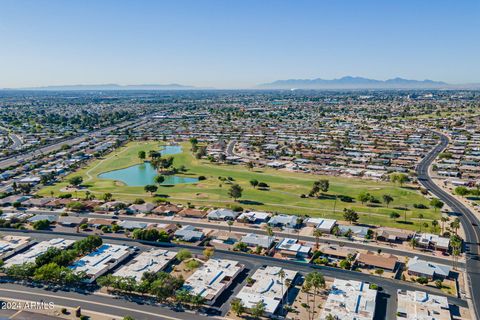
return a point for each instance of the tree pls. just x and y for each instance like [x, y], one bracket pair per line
[183, 254]
[153, 154]
[208, 252]
[455, 225]
[316, 281]
[235, 192]
[436, 204]
[318, 187]
[270, 233]
[229, 223]
[317, 233]
[281, 275]
[462, 191]
[394, 215]
[150, 188]
[250, 165]
[76, 206]
[107, 196]
[324, 185]
[434, 225]
[443, 220]
[364, 197]
[237, 307]
[240, 246]
[414, 242]
[399, 178]
[350, 215]
[254, 183]
[142, 155]
[75, 181]
[159, 179]
[41, 224]
[258, 310]
[387, 199]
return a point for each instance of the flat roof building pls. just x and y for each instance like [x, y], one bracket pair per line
[324, 225]
[419, 305]
[253, 240]
[266, 287]
[213, 278]
[222, 214]
[153, 261]
[11, 244]
[101, 260]
[350, 300]
[31, 254]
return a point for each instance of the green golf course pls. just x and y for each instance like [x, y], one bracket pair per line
[283, 195]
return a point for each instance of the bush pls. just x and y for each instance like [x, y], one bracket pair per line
[422, 280]
[345, 198]
[237, 208]
[201, 178]
[41, 224]
[64, 310]
[192, 264]
[373, 286]
[419, 206]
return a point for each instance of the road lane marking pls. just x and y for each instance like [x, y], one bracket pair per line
[92, 302]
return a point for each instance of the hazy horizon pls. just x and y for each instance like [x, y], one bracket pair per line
[236, 44]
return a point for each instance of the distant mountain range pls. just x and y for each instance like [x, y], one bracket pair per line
[110, 87]
[349, 82]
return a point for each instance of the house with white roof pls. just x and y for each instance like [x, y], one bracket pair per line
[153, 261]
[210, 280]
[433, 241]
[31, 254]
[291, 248]
[350, 300]
[254, 216]
[11, 244]
[324, 225]
[222, 214]
[283, 221]
[430, 270]
[131, 224]
[267, 287]
[254, 240]
[420, 305]
[98, 262]
[189, 233]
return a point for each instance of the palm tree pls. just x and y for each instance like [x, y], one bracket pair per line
[316, 281]
[443, 219]
[455, 225]
[414, 242]
[230, 223]
[317, 233]
[270, 234]
[281, 275]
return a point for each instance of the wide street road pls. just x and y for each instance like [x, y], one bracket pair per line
[387, 297]
[468, 220]
[13, 160]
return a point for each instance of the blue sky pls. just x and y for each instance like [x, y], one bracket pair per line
[232, 43]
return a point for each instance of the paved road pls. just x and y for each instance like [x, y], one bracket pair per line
[230, 147]
[16, 141]
[252, 262]
[5, 163]
[356, 245]
[467, 219]
[97, 303]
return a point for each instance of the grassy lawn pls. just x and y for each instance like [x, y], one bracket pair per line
[283, 196]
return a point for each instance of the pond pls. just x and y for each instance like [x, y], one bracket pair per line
[145, 173]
